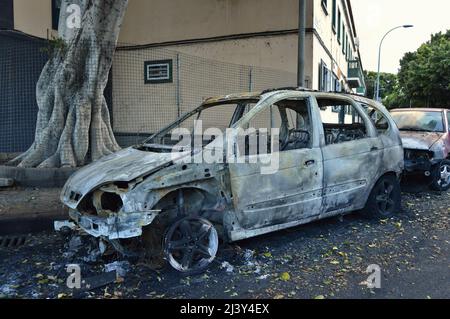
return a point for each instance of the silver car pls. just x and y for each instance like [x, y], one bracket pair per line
[326, 155]
[426, 140]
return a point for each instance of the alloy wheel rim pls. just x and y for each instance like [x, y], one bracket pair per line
[191, 244]
[444, 181]
[385, 198]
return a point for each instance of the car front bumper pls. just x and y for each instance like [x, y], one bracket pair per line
[121, 226]
[420, 167]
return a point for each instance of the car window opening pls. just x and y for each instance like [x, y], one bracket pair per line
[341, 122]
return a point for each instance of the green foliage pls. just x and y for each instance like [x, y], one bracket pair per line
[388, 82]
[424, 76]
[55, 45]
[423, 79]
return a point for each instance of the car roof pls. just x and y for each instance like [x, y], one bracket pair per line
[420, 110]
[257, 95]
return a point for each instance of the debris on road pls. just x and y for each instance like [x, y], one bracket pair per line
[62, 226]
[120, 267]
[227, 266]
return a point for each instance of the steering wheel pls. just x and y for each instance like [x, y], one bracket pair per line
[292, 138]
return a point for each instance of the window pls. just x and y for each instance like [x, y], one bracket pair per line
[341, 122]
[333, 15]
[347, 56]
[291, 117]
[6, 14]
[56, 8]
[347, 52]
[448, 120]
[343, 40]
[378, 119]
[324, 77]
[325, 6]
[336, 84]
[339, 26]
[419, 121]
[158, 71]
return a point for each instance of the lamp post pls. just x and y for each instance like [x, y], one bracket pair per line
[377, 84]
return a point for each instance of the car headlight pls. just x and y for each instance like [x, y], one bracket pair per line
[418, 155]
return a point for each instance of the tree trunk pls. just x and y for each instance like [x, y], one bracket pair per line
[73, 124]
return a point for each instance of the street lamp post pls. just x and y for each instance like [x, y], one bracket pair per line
[377, 84]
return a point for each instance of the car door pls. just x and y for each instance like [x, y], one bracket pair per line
[352, 155]
[290, 193]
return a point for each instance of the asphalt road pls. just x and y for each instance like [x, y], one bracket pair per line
[327, 259]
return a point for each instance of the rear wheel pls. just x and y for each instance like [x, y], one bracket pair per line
[191, 245]
[385, 198]
[442, 179]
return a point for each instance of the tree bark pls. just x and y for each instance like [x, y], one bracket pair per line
[73, 123]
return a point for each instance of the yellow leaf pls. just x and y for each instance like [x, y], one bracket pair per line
[319, 297]
[285, 276]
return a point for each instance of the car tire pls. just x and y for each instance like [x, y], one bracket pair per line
[441, 181]
[194, 238]
[385, 198]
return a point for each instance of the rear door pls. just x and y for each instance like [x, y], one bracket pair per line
[352, 155]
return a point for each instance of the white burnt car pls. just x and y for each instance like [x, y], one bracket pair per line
[327, 154]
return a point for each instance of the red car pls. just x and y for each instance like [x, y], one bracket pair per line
[426, 139]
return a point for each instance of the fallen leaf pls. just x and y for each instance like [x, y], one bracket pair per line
[285, 276]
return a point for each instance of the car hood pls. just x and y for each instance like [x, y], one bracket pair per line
[419, 140]
[123, 166]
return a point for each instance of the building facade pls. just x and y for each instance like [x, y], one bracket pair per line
[174, 53]
[247, 32]
[255, 32]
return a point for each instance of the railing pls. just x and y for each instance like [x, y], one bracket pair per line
[355, 75]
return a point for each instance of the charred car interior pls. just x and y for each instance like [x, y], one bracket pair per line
[331, 157]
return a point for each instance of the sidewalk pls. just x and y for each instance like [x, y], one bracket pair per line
[24, 210]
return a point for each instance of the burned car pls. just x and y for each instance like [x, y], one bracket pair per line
[303, 156]
[426, 140]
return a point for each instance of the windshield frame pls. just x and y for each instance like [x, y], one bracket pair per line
[423, 112]
[200, 109]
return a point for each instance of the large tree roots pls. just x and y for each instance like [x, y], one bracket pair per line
[73, 126]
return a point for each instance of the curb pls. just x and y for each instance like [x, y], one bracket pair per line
[31, 223]
[37, 177]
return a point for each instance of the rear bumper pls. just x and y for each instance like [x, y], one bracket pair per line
[122, 226]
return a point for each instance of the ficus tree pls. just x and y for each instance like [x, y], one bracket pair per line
[73, 123]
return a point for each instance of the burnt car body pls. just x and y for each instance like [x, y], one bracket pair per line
[338, 153]
[426, 140]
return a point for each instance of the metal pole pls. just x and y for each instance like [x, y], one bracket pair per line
[178, 86]
[301, 43]
[377, 83]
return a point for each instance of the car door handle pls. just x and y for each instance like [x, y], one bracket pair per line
[310, 163]
[374, 149]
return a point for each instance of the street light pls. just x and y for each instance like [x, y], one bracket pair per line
[377, 87]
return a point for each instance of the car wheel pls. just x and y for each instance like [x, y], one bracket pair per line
[191, 245]
[385, 198]
[442, 179]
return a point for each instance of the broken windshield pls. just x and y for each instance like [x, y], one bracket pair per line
[201, 121]
[419, 121]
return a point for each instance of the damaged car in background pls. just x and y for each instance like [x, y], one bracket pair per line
[337, 153]
[426, 140]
